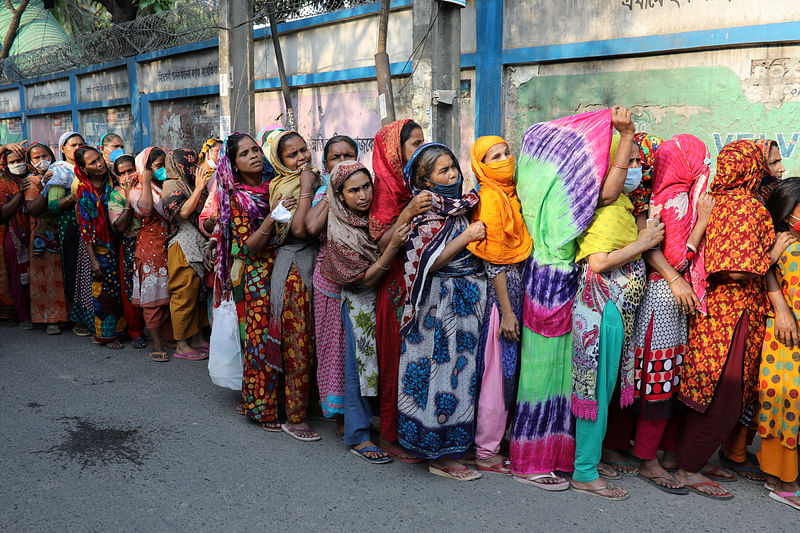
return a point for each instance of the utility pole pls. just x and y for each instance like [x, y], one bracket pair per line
[276, 44]
[382, 69]
[236, 68]
[437, 76]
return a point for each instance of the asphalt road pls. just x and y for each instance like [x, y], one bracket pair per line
[102, 440]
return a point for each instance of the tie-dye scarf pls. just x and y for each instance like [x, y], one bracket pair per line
[253, 200]
[430, 233]
[681, 177]
[562, 164]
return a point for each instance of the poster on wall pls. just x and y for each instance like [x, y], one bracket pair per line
[184, 123]
[97, 122]
[46, 129]
[10, 130]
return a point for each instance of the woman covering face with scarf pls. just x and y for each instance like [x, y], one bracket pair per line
[443, 312]
[506, 245]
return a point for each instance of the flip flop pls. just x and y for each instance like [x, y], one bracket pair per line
[742, 469]
[374, 460]
[448, 473]
[271, 429]
[550, 487]
[397, 455]
[696, 488]
[194, 355]
[783, 498]
[499, 468]
[717, 476]
[291, 433]
[53, 329]
[596, 492]
[670, 490]
[768, 486]
[159, 357]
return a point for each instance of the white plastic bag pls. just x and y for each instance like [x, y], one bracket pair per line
[225, 349]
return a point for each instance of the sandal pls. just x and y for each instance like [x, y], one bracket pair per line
[80, 330]
[114, 345]
[139, 343]
[623, 463]
[272, 427]
[159, 357]
[783, 497]
[27, 325]
[535, 480]
[194, 355]
[501, 467]
[53, 329]
[449, 473]
[596, 492]
[696, 488]
[383, 459]
[755, 474]
[670, 490]
[398, 453]
[718, 474]
[293, 432]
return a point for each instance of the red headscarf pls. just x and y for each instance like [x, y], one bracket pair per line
[391, 194]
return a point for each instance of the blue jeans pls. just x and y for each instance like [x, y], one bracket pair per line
[357, 409]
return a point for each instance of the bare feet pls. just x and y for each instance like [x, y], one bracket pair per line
[601, 488]
[620, 463]
[607, 472]
[695, 478]
[653, 470]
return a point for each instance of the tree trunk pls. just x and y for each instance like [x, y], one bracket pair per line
[11, 34]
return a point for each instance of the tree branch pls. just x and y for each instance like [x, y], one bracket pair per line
[11, 34]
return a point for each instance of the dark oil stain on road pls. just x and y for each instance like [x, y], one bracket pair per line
[90, 444]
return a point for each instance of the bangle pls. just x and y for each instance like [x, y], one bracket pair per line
[620, 167]
[264, 233]
[673, 279]
[306, 195]
[126, 208]
[378, 262]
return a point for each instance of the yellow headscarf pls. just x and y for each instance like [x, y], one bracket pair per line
[614, 226]
[507, 240]
[286, 182]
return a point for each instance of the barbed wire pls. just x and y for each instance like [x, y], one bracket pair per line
[184, 24]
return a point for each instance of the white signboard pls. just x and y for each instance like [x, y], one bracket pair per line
[197, 69]
[108, 85]
[9, 101]
[47, 94]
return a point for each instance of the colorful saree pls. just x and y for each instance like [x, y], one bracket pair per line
[15, 251]
[561, 168]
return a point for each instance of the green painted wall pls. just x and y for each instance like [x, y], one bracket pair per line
[708, 102]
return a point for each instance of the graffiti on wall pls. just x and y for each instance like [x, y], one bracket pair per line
[712, 103]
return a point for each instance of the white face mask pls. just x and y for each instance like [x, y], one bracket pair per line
[211, 163]
[42, 165]
[18, 169]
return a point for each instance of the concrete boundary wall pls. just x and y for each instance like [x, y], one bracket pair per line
[722, 69]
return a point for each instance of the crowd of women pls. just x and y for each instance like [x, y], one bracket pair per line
[598, 305]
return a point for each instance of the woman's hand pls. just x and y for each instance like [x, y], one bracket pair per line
[210, 254]
[72, 199]
[684, 295]
[705, 204]
[476, 231]
[290, 203]
[653, 234]
[25, 184]
[307, 179]
[199, 178]
[97, 270]
[147, 176]
[400, 235]
[782, 241]
[622, 120]
[509, 328]
[420, 204]
[786, 329]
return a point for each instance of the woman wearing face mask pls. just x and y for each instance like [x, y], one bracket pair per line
[354, 263]
[291, 330]
[611, 286]
[506, 246]
[123, 221]
[392, 207]
[150, 280]
[442, 316]
[74, 260]
[48, 300]
[15, 238]
[328, 325]
[111, 143]
[94, 190]
[183, 192]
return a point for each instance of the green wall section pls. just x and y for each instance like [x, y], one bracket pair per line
[708, 102]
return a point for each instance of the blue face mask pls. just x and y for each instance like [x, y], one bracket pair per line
[160, 174]
[115, 154]
[632, 180]
[452, 190]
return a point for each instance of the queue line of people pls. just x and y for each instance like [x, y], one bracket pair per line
[590, 302]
